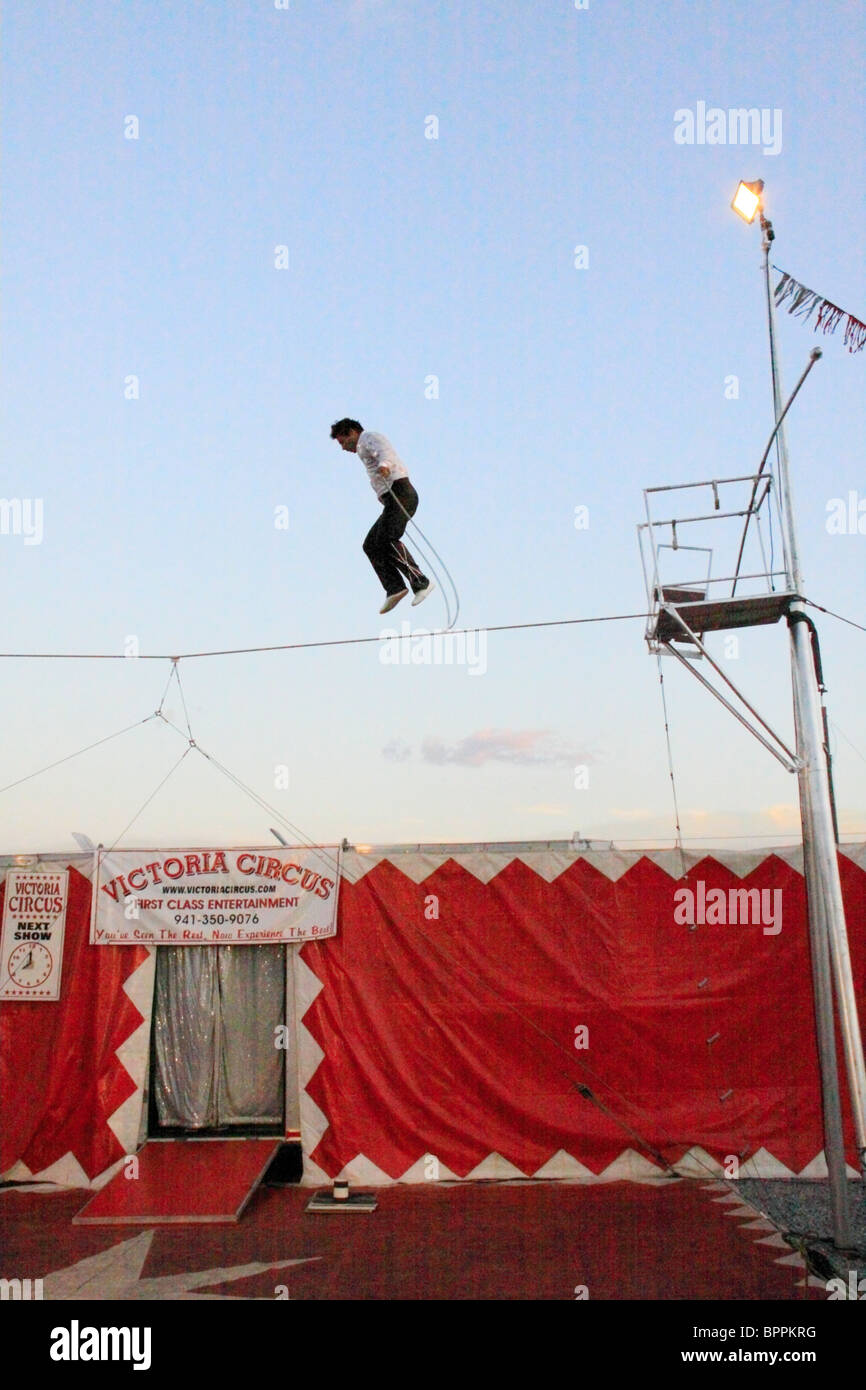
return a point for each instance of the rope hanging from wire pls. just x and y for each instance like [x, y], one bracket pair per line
[146, 803]
[679, 839]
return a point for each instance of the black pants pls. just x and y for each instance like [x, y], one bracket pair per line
[383, 546]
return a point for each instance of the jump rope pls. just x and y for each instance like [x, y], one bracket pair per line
[451, 621]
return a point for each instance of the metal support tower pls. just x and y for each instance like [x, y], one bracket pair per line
[681, 616]
[824, 889]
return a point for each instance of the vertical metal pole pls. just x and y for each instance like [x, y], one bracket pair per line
[829, 767]
[822, 994]
[818, 827]
[791, 559]
[826, 908]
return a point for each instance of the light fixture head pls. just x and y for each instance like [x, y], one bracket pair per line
[747, 200]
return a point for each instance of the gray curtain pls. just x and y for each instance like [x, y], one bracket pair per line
[216, 1010]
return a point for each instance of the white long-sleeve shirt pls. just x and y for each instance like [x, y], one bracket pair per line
[374, 450]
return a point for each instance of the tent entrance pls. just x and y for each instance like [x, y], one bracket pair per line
[216, 1066]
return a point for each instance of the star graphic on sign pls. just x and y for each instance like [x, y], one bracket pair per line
[116, 1274]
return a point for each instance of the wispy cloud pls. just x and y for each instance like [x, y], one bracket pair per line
[520, 747]
[397, 751]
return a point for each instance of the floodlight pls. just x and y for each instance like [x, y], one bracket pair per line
[747, 199]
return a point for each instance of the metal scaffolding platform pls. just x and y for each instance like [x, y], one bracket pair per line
[685, 605]
[714, 615]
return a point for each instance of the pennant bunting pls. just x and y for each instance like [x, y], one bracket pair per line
[804, 303]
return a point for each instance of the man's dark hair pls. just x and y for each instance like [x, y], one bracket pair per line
[341, 428]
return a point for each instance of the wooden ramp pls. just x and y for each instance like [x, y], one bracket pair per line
[182, 1181]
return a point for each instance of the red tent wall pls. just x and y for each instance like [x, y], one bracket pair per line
[61, 1079]
[454, 1035]
[442, 1018]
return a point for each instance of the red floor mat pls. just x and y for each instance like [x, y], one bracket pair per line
[180, 1181]
[536, 1241]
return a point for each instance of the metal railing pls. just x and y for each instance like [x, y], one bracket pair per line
[659, 537]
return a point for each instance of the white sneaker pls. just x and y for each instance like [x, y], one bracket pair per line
[392, 600]
[422, 594]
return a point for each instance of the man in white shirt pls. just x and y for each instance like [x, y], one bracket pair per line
[389, 479]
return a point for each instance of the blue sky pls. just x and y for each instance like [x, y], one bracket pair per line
[409, 258]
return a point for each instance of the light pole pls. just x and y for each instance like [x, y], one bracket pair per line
[827, 930]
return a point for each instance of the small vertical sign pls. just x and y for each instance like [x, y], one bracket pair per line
[31, 945]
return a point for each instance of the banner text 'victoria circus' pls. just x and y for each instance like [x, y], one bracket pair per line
[213, 862]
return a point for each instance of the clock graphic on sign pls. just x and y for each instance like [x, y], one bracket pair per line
[30, 964]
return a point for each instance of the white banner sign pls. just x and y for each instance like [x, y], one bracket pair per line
[196, 897]
[31, 945]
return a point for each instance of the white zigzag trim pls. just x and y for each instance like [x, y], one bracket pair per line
[629, 1166]
[549, 864]
[126, 1121]
[313, 1121]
